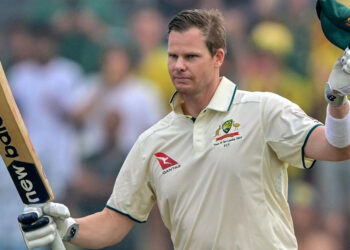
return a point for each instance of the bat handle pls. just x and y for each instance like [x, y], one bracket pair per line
[57, 244]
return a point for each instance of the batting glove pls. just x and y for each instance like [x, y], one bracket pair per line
[338, 85]
[39, 225]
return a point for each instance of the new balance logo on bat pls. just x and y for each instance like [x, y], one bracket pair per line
[10, 151]
[24, 174]
[28, 182]
[25, 184]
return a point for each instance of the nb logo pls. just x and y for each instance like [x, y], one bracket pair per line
[331, 97]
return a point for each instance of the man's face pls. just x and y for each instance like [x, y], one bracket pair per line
[190, 64]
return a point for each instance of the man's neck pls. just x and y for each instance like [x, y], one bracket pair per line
[194, 104]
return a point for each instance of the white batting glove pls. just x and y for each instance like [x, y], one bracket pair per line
[345, 60]
[39, 225]
[37, 230]
[338, 85]
[67, 227]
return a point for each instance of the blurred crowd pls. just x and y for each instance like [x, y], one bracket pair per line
[89, 76]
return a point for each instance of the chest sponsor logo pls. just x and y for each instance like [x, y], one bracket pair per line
[166, 162]
[226, 133]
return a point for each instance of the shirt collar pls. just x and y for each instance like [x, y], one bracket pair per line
[221, 101]
[223, 96]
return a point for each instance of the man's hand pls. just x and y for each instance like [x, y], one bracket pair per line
[38, 224]
[338, 85]
[345, 60]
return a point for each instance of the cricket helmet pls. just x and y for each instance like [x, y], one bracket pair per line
[335, 21]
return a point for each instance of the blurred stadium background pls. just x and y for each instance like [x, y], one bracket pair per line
[89, 76]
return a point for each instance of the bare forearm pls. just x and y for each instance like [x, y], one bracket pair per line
[102, 229]
[339, 112]
[331, 142]
[318, 148]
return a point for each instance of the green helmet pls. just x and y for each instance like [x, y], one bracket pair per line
[335, 22]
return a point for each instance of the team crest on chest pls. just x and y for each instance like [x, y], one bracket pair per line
[226, 133]
[226, 126]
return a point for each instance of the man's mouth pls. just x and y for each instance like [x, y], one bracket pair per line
[181, 78]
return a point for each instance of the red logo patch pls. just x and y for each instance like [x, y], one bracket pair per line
[164, 160]
[226, 136]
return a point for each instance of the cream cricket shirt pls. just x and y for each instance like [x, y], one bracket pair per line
[220, 181]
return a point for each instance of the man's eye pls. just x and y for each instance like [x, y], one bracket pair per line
[191, 56]
[172, 56]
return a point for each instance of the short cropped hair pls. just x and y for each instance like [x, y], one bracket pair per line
[210, 22]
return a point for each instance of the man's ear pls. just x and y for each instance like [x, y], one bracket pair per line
[219, 57]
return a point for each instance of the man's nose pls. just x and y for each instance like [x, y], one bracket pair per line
[180, 64]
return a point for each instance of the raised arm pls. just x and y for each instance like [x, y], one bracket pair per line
[332, 142]
[95, 231]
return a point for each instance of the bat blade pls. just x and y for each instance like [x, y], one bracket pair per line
[17, 151]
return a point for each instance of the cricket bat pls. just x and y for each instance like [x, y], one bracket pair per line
[19, 156]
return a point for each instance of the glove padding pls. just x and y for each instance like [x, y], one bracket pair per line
[39, 225]
[345, 60]
[338, 85]
[67, 227]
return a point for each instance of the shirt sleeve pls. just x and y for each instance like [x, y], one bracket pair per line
[132, 193]
[286, 129]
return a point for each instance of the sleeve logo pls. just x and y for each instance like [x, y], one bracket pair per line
[165, 161]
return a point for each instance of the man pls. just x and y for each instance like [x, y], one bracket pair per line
[215, 164]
